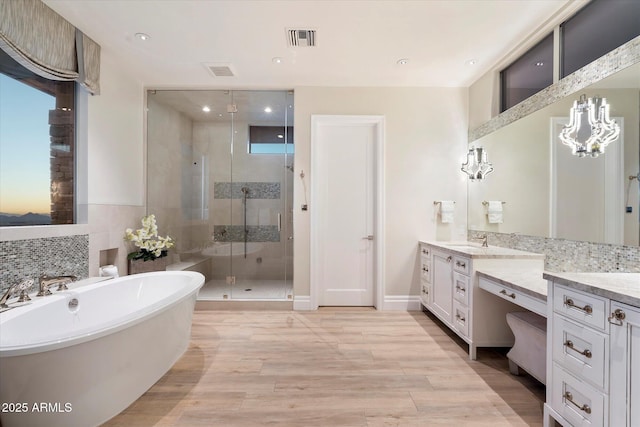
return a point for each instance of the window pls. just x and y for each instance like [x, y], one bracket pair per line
[597, 29]
[528, 74]
[37, 147]
[270, 140]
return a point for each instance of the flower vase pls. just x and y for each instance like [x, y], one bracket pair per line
[140, 266]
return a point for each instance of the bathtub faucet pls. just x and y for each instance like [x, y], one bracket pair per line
[45, 282]
[22, 287]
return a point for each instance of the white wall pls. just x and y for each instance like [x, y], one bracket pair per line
[116, 164]
[426, 139]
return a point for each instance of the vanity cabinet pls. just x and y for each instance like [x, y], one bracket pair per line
[594, 344]
[624, 392]
[442, 299]
[425, 276]
[454, 297]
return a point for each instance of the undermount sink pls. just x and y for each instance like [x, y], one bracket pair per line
[464, 245]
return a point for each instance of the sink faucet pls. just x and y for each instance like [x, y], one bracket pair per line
[45, 282]
[483, 237]
[22, 287]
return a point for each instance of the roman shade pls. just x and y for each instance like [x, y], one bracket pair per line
[47, 44]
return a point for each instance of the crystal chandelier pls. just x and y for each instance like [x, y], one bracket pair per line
[589, 140]
[477, 166]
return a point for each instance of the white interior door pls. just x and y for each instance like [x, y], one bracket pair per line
[343, 211]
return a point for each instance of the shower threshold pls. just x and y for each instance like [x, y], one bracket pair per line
[247, 290]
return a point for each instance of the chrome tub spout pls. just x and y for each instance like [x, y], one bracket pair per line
[45, 282]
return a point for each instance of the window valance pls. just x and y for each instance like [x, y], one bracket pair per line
[47, 44]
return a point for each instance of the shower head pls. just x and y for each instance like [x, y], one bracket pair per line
[245, 190]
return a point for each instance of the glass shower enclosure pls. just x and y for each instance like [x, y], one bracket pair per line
[220, 182]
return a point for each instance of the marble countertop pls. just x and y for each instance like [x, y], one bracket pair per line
[528, 281]
[475, 250]
[622, 287]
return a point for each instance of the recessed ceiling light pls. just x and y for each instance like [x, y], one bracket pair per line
[276, 60]
[472, 62]
[280, 136]
[142, 36]
[403, 61]
[267, 109]
[539, 64]
[219, 114]
[206, 109]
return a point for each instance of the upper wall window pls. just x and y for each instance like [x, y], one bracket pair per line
[270, 140]
[37, 147]
[597, 29]
[528, 74]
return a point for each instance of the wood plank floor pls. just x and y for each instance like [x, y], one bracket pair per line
[333, 367]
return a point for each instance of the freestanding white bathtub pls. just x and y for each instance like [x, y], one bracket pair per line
[79, 357]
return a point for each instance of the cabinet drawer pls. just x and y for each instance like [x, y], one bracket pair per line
[461, 318]
[523, 300]
[425, 251]
[576, 401]
[462, 265]
[425, 269]
[585, 308]
[461, 287]
[425, 291]
[581, 351]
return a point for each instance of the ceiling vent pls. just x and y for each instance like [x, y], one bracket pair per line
[220, 70]
[301, 38]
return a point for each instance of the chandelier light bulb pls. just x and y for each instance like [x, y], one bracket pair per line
[589, 140]
[477, 166]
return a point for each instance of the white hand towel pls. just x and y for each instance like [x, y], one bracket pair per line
[447, 208]
[494, 212]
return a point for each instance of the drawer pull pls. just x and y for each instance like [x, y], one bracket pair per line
[449, 258]
[569, 398]
[460, 318]
[586, 352]
[425, 269]
[461, 290]
[426, 252]
[461, 264]
[587, 308]
[511, 295]
[617, 317]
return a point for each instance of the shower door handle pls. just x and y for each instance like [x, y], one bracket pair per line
[279, 222]
[369, 237]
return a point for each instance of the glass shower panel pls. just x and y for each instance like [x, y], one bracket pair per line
[220, 181]
[262, 189]
[188, 149]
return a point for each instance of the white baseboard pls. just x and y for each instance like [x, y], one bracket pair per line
[401, 303]
[302, 303]
[391, 303]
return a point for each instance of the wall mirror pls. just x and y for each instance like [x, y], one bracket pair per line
[548, 192]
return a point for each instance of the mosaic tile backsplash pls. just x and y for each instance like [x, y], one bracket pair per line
[22, 259]
[563, 255]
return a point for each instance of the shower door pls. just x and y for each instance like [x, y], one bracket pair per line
[220, 181]
[262, 188]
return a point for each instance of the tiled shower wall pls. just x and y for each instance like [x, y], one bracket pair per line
[263, 231]
[31, 258]
[569, 255]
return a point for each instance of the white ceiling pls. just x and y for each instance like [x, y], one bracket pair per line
[358, 42]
